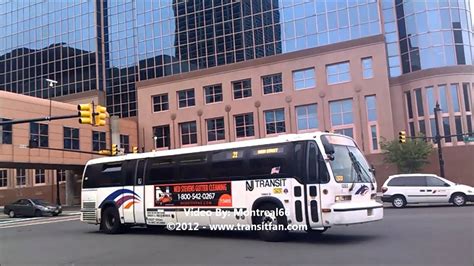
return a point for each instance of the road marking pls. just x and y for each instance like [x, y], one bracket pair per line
[44, 221]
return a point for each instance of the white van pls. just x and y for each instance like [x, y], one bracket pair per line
[405, 189]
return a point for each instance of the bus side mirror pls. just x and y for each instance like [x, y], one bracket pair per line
[328, 148]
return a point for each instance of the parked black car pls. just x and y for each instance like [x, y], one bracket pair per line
[31, 207]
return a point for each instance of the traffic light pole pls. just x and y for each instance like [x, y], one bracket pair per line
[438, 141]
[46, 118]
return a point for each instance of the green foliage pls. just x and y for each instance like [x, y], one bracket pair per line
[409, 157]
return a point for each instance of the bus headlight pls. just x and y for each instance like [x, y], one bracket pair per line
[343, 198]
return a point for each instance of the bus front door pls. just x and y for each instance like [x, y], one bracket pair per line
[312, 189]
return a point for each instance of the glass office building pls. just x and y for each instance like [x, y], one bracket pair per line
[49, 39]
[110, 45]
[422, 34]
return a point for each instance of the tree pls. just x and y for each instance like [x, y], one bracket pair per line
[409, 157]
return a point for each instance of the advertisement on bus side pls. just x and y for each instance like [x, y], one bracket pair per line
[217, 194]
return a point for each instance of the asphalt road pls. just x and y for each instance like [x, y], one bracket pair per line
[415, 236]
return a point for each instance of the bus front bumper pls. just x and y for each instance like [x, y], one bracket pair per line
[350, 213]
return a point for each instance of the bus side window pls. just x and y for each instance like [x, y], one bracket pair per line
[269, 161]
[227, 164]
[129, 172]
[111, 175]
[312, 163]
[161, 170]
[193, 166]
[140, 170]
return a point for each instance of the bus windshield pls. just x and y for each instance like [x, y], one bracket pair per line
[350, 166]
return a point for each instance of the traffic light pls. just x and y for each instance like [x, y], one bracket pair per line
[100, 115]
[104, 152]
[402, 136]
[85, 113]
[135, 149]
[114, 150]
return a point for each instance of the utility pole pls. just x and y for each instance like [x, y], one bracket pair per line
[438, 140]
[51, 84]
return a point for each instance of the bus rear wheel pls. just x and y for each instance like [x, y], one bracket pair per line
[273, 224]
[110, 223]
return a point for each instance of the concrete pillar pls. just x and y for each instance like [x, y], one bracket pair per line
[70, 183]
[115, 131]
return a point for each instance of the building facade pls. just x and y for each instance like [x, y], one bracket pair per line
[201, 72]
[35, 156]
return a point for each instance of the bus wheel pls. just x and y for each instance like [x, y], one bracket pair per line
[110, 222]
[273, 225]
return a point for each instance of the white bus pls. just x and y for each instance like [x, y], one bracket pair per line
[316, 180]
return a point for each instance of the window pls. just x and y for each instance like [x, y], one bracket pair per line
[61, 175]
[215, 129]
[371, 105]
[304, 79]
[244, 125]
[188, 133]
[38, 135]
[160, 103]
[367, 68]
[307, 117]
[227, 164]
[213, 93]
[467, 97]
[447, 129]
[125, 143]
[71, 138]
[192, 166]
[271, 160]
[272, 83]
[338, 73]
[242, 89]
[443, 99]
[341, 112]
[98, 141]
[458, 124]
[433, 128]
[20, 177]
[6, 132]
[161, 170]
[162, 134]
[419, 102]
[186, 98]
[408, 181]
[3, 178]
[371, 108]
[431, 100]
[103, 175]
[40, 176]
[455, 98]
[342, 117]
[373, 133]
[434, 182]
[422, 126]
[409, 105]
[275, 121]
[469, 125]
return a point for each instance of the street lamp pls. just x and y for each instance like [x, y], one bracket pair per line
[51, 84]
[436, 110]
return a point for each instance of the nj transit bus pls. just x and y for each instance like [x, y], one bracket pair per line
[316, 180]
